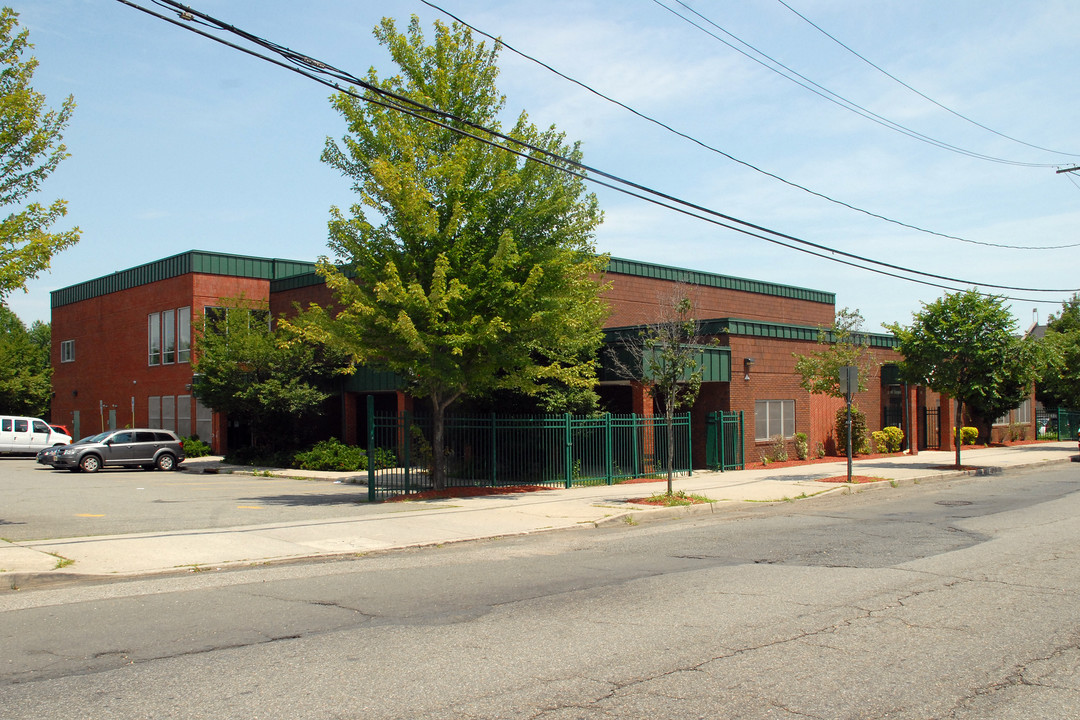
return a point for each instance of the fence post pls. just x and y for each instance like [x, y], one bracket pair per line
[372, 494]
[742, 445]
[494, 456]
[609, 449]
[407, 442]
[634, 443]
[569, 452]
[689, 447]
[721, 439]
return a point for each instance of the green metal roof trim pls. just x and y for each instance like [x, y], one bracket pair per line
[782, 331]
[715, 360]
[366, 379]
[623, 266]
[193, 261]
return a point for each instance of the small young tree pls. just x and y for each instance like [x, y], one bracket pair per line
[842, 345]
[666, 356]
[965, 346]
[31, 146]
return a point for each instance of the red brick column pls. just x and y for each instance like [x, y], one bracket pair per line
[946, 423]
[913, 418]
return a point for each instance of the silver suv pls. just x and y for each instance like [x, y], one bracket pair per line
[140, 447]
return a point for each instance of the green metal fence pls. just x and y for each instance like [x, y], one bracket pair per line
[494, 451]
[724, 441]
[1068, 424]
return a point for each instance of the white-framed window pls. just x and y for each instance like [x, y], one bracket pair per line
[774, 417]
[67, 351]
[183, 335]
[153, 336]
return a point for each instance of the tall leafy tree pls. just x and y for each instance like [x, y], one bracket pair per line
[31, 146]
[966, 346]
[25, 370]
[1060, 386]
[470, 269]
[259, 375]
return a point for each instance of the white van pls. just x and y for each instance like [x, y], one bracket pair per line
[28, 435]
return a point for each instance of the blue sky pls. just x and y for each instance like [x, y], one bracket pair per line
[178, 143]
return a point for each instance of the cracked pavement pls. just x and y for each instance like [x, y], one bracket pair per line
[884, 605]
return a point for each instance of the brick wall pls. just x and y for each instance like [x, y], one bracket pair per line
[111, 370]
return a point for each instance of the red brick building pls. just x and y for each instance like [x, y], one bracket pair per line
[122, 347]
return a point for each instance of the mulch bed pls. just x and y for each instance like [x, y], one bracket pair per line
[461, 492]
[855, 479]
[660, 502]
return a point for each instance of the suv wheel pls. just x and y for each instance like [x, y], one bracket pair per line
[166, 462]
[90, 463]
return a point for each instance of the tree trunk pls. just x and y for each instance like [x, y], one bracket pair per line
[669, 418]
[956, 430]
[438, 444]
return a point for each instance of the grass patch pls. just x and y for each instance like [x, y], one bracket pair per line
[61, 561]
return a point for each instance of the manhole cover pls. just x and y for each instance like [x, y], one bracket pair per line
[953, 503]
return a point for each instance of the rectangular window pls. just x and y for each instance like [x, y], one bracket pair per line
[22, 426]
[168, 331]
[153, 332]
[154, 410]
[67, 351]
[168, 413]
[5, 425]
[183, 415]
[774, 417]
[204, 422]
[1023, 413]
[183, 347]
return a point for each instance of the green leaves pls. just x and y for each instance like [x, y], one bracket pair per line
[31, 147]
[25, 371]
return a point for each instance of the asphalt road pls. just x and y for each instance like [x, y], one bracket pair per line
[951, 600]
[40, 502]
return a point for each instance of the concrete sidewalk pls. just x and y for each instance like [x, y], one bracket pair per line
[393, 525]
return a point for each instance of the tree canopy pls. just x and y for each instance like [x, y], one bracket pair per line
[842, 345]
[257, 375]
[1060, 386]
[966, 346]
[468, 269]
[25, 369]
[31, 146]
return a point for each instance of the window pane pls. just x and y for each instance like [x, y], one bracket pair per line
[183, 415]
[168, 412]
[183, 318]
[776, 424]
[168, 326]
[154, 410]
[153, 332]
[761, 420]
[789, 418]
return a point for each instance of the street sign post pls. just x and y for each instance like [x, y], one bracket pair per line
[849, 384]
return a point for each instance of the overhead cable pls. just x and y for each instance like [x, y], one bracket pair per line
[312, 69]
[718, 151]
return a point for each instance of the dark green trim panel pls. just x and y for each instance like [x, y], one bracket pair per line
[758, 328]
[193, 261]
[367, 380]
[623, 266]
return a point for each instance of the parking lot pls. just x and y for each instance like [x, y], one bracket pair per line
[38, 502]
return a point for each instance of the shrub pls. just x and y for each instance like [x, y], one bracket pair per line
[1017, 431]
[194, 447]
[777, 449]
[332, 455]
[888, 440]
[819, 450]
[968, 435]
[260, 456]
[859, 442]
[802, 446]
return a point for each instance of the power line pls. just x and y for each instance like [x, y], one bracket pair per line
[946, 108]
[313, 68]
[718, 151]
[829, 95]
